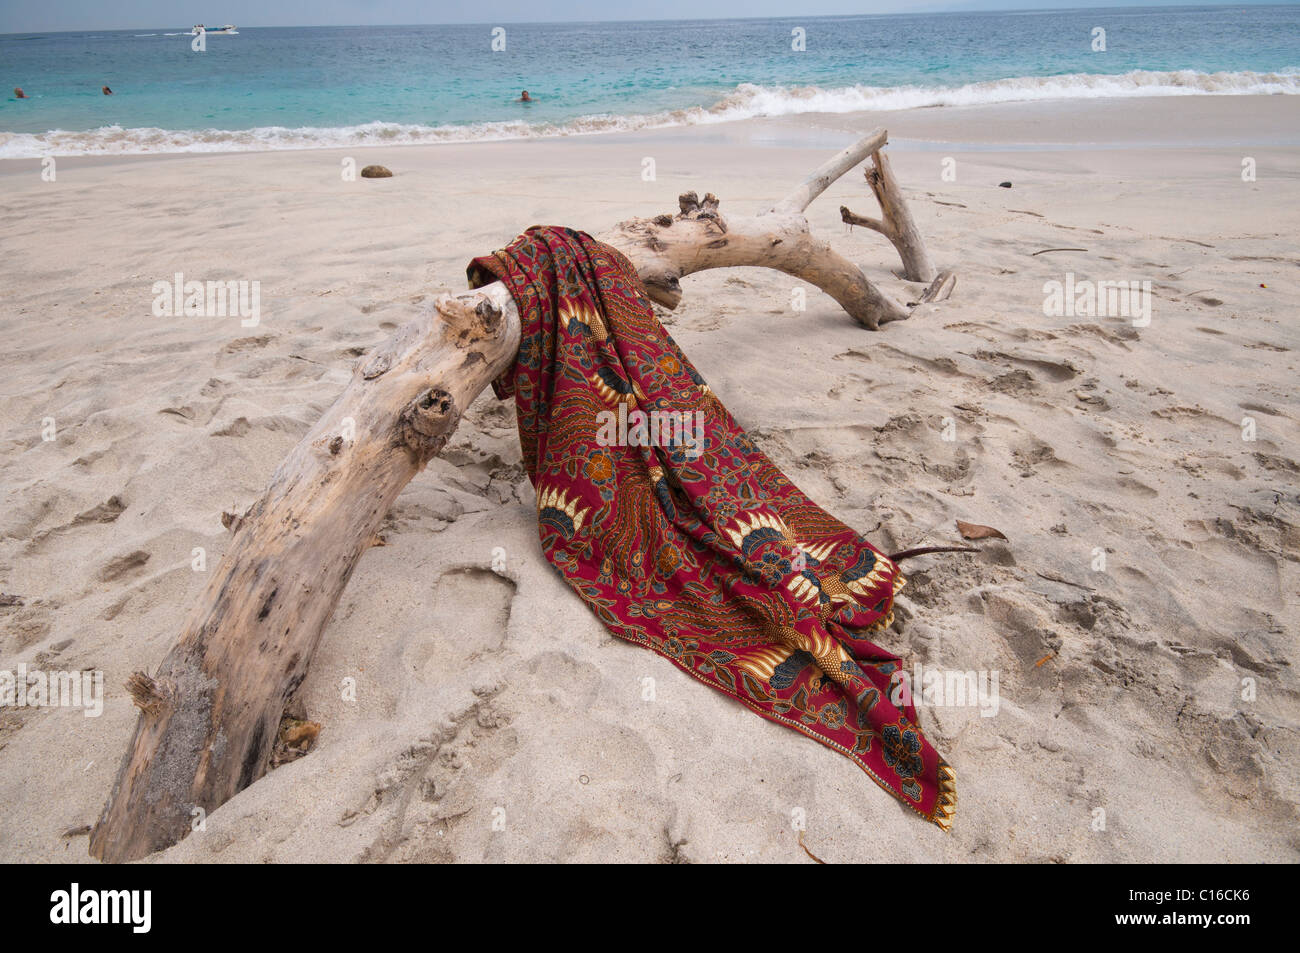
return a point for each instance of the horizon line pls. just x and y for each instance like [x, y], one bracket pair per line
[1117, 5]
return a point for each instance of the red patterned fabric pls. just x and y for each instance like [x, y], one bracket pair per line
[690, 541]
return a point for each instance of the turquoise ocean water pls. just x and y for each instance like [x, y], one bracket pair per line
[276, 88]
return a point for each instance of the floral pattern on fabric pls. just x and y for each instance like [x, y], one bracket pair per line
[699, 548]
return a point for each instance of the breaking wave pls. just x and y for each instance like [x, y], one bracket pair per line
[746, 101]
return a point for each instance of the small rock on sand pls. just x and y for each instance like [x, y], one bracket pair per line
[375, 172]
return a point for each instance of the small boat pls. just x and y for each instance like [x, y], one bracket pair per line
[229, 28]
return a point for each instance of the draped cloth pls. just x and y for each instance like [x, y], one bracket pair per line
[682, 536]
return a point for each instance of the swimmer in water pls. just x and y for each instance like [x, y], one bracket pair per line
[18, 93]
[524, 97]
[107, 91]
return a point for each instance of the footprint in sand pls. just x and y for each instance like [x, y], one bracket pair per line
[1055, 371]
[1137, 487]
[472, 609]
[24, 625]
[119, 567]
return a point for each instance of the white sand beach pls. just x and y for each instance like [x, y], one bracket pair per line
[1141, 617]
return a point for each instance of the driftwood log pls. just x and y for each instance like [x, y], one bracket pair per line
[210, 716]
[895, 221]
[667, 248]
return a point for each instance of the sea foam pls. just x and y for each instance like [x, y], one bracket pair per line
[746, 101]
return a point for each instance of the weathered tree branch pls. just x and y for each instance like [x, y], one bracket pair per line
[797, 202]
[667, 248]
[896, 222]
[209, 717]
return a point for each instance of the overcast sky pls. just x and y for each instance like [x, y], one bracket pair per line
[28, 16]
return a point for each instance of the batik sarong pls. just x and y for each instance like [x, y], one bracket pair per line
[682, 536]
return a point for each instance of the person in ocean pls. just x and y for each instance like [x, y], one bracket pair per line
[18, 93]
[107, 91]
[524, 97]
